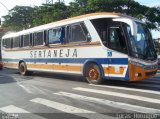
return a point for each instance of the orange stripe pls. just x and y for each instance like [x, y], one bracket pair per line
[55, 67]
[112, 70]
[10, 65]
[47, 66]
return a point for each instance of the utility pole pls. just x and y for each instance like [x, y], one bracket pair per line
[51, 1]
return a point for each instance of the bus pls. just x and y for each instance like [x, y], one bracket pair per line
[99, 46]
[2, 32]
[157, 45]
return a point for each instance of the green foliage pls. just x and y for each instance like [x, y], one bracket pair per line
[18, 18]
[22, 17]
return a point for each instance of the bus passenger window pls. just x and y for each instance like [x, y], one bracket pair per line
[26, 40]
[116, 40]
[30, 39]
[21, 41]
[39, 38]
[16, 42]
[87, 34]
[77, 34]
[7, 43]
[54, 36]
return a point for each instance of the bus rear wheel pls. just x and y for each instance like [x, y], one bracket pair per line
[23, 69]
[93, 74]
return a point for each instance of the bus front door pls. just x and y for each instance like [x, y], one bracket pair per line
[117, 53]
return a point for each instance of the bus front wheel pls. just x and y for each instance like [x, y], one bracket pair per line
[23, 69]
[93, 74]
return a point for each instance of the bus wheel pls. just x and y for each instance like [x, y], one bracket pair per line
[93, 74]
[23, 69]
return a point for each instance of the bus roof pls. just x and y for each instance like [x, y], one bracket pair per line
[68, 21]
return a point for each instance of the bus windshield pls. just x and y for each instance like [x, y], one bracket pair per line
[142, 45]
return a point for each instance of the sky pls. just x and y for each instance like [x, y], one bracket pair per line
[6, 5]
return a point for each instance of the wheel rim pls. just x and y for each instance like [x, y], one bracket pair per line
[93, 74]
[22, 69]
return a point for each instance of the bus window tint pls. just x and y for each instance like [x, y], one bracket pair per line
[16, 42]
[26, 40]
[54, 36]
[115, 39]
[30, 40]
[21, 41]
[7, 43]
[77, 33]
[39, 38]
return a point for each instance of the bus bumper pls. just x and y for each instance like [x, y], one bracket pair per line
[139, 73]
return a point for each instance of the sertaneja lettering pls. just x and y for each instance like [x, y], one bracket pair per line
[40, 54]
[61, 53]
[49, 54]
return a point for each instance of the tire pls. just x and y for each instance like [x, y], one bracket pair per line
[23, 69]
[93, 74]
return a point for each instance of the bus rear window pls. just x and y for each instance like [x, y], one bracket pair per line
[7, 43]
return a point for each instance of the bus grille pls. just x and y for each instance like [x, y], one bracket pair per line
[151, 73]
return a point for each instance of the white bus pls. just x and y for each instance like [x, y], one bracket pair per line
[98, 46]
[157, 45]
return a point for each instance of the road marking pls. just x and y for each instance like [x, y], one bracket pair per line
[70, 109]
[60, 106]
[13, 109]
[135, 97]
[110, 103]
[128, 89]
[25, 88]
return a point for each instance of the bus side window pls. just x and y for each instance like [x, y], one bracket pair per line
[30, 40]
[21, 41]
[39, 38]
[7, 43]
[87, 34]
[4, 43]
[16, 42]
[116, 40]
[77, 33]
[54, 36]
[26, 40]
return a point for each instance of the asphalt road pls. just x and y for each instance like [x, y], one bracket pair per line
[58, 96]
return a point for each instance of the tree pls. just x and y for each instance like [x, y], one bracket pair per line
[18, 18]
[151, 15]
[21, 17]
[49, 12]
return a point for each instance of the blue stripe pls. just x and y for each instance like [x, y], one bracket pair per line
[123, 61]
